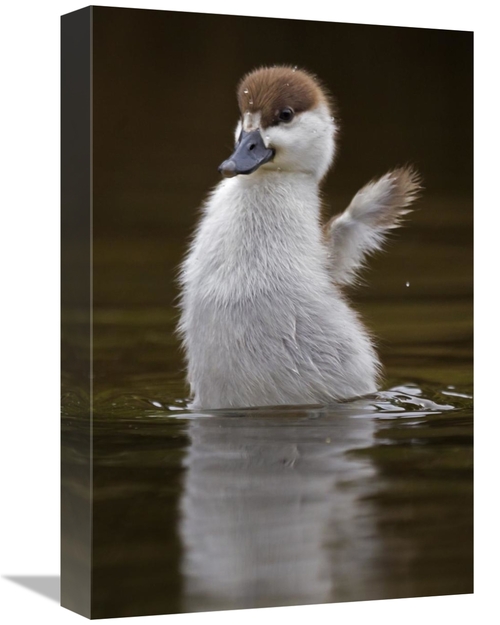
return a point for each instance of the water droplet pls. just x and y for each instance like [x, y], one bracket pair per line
[294, 68]
[407, 284]
[245, 90]
[250, 101]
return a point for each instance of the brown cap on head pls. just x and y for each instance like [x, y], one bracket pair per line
[271, 89]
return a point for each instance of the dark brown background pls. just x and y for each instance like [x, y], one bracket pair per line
[165, 105]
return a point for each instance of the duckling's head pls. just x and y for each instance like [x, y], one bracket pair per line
[287, 124]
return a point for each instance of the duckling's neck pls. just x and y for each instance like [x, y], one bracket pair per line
[275, 178]
[273, 196]
[276, 212]
[259, 233]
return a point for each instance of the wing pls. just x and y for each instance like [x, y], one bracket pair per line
[363, 227]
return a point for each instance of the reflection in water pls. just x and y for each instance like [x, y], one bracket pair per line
[273, 509]
[369, 499]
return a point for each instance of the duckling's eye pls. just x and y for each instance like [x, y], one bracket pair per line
[286, 114]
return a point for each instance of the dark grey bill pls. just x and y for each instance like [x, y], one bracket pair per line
[250, 153]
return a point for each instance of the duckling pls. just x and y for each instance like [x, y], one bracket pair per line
[264, 320]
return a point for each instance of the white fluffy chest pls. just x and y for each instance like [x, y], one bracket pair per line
[257, 236]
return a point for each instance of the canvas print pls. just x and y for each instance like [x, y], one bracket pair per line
[266, 312]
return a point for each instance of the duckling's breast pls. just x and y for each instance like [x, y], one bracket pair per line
[261, 321]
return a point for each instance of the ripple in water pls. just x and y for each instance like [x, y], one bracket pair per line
[402, 400]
